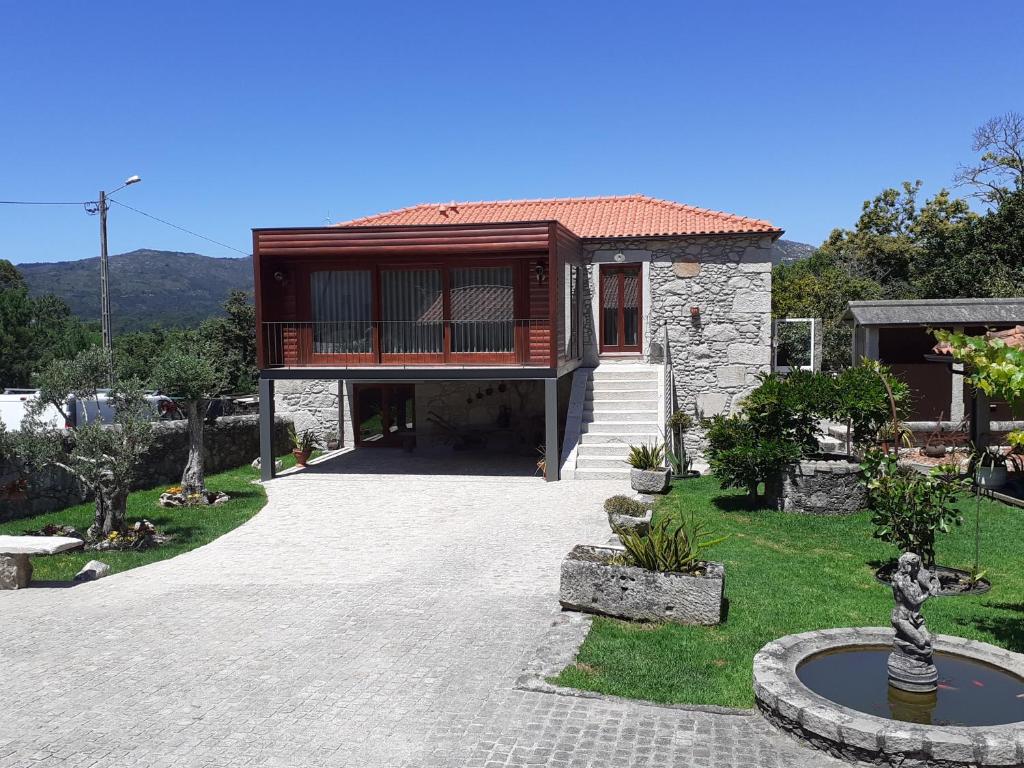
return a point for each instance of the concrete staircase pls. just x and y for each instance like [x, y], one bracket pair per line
[621, 408]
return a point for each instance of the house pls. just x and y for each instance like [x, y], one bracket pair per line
[899, 334]
[575, 324]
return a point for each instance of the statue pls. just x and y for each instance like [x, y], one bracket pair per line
[910, 663]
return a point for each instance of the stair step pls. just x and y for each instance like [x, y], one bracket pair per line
[602, 449]
[591, 473]
[628, 396]
[625, 387]
[625, 375]
[649, 416]
[591, 462]
[622, 439]
[619, 406]
[644, 429]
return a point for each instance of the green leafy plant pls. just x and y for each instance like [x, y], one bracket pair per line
[682, 550]
[646, 456]
[677, 425]
[868, 397]
[305, 441]
[624, 505]
[908, 508]
[741, 456]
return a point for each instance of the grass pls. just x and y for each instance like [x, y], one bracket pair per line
[788, 573]
[191, 527]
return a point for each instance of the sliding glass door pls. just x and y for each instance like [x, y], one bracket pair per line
[412, 316]
[482, 313]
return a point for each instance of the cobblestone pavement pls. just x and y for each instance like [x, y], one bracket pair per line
[359, 620]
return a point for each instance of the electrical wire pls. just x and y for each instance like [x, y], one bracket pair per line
[175, 226]
[42, 202]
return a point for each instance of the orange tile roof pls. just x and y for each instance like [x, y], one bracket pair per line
[587, 217]
[1012, 337]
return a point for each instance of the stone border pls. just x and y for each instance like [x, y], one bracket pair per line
[846, 733]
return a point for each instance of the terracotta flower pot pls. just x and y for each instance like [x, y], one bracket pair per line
[301, 457]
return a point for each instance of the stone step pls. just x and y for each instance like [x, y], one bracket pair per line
[615, 406]
[624, 386]
[599, 437]
[625, 374]
[646, 428]
[623, 394]
[592, 473]
[649, 416]
[599, 462]
[617, 448]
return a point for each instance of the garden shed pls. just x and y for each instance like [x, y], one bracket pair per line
[898, 333]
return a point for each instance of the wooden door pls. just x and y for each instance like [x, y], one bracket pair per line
[621, 307]
[384, 414]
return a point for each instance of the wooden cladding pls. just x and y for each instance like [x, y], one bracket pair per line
[500, 286]
[403, 241]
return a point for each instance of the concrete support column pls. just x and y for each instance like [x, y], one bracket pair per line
[956, 397]
[981, 428]
[551, 452]
[870, 342]
[266, 429]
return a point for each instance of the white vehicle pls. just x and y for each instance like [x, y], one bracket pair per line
[14, 403]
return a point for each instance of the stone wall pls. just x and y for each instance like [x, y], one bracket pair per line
[312, 404]
[231, 441]
[510, 412]
[716, 355]
[823, 487]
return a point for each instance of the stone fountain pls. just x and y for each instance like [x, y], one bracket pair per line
[900, 696]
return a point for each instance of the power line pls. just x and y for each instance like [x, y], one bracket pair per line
[175, 226]
[42, 202]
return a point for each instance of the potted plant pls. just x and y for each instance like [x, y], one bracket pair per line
[661, 574]
[303, 444]
[648, 473]
[990, 468]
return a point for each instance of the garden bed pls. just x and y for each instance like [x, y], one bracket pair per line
[187, 527]
[791, 574]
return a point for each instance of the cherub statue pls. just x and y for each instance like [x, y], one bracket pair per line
[912, 584]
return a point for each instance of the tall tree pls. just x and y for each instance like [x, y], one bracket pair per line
[191, 375]
[1000, 169]
[233, 336]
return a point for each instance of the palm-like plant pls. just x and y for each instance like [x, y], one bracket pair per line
[646, 456]
[681, 550]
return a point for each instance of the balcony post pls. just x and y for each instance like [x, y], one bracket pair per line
[551, 452]
[266, 429]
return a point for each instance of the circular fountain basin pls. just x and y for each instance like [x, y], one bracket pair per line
[830, 688]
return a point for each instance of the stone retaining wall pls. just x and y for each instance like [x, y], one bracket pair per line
[821, 487]
[231, 441]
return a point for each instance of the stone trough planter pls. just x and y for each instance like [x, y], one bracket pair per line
[650, 480]
[591, 583]
[822, 487]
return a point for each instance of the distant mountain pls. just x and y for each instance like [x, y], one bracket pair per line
[146, 287]
[788, 251]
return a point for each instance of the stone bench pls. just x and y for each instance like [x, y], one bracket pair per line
[15, 566]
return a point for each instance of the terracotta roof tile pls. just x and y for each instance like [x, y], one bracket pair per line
[587, 217]
[1013, 337]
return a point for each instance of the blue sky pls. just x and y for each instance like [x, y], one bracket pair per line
[241, 115]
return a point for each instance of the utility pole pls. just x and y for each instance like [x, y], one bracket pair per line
[108, 347]
[108, 339]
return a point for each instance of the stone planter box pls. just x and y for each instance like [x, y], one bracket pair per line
[650, 480]
[821, 487]
[592, 584]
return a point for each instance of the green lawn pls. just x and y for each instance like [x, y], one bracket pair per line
[191, 526]
[789, 573]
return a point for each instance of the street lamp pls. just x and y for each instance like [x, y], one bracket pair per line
[108, 345]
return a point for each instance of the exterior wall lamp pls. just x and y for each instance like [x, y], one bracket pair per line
[541, 272]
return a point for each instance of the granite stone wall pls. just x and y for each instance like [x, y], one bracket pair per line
[716, 354]
[229, 442]
[313, 404]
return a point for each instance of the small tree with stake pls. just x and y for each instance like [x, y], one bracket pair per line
[192, 377]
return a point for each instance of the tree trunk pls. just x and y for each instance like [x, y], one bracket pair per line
[752, 493]
[193, 479]
[111, 510]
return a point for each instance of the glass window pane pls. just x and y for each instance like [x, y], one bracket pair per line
[631, 307]
[342, 306]
[412, 311]
[483, 318]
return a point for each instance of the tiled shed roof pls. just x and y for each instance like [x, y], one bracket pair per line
[587, 217]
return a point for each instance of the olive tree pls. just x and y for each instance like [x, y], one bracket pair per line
[192, 376]
[103, 457]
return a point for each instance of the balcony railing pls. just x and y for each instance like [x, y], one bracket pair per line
[362, 343]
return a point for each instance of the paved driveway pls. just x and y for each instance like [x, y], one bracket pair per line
[359, 620]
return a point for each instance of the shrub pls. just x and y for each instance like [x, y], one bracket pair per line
[679, 551]
[646, 456]
[623, 505]
[909, 508]
[741, 456]
[790, 407]
[862, 400]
